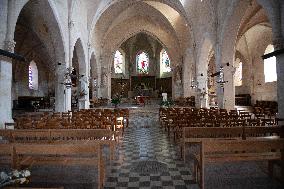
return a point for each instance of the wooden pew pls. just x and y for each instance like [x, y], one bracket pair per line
[197, 134]
[5, 134]
[263, 131]
[7, 155]
[220, 150]
[75, 153]
[105, 136]
[30, 135]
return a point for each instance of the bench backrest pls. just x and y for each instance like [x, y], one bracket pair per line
[263, 131]
[82, 134]
[58, 149]
[30, 135]
[212, 132]
[255, 145]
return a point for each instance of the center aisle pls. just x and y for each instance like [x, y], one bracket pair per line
[147, 158]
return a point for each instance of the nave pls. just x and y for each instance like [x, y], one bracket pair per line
[146, 156]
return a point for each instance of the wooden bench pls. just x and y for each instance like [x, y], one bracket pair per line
[7, 156]
[220, 150]
[104, 136]
[197, 134]
[77, 153]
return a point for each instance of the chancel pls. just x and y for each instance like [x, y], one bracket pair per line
[142, 94]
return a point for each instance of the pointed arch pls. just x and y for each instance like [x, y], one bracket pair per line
[78, 47]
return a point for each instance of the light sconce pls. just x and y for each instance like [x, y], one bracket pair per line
[193, 84]
[221, 77]
[67, 78]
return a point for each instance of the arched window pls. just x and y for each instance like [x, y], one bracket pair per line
[142, 61]
[165, 62]
[239, 72]
[118, 62]
[270, 74]
[33, 76]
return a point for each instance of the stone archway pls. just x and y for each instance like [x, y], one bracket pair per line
[80, 90]
[46, 45]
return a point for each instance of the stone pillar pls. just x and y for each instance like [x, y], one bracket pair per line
[229, 87]
[61, 93]
[203, 91]
[8, 44]
[84, 90]
[220, 89]
[6, 86]
[279, 44]
[105, 83]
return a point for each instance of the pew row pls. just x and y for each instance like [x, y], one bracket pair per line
[104, 136]
[83, 153]
[197, 134]
[222, 150]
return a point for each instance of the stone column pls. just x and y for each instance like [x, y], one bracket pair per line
[104, 91]
[6, 63]
[229, 87]
[220, 89]
[203, 91]
[61, 93]
[6, 86]
[84, 98]
[278, 44]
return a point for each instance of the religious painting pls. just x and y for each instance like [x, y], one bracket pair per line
[142, 61]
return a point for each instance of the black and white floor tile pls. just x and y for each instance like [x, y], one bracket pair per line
[148, 158]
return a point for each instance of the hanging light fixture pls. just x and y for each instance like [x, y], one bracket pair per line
[221, 77]
[67, 78]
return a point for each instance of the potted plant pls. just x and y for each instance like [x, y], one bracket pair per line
[115, 100]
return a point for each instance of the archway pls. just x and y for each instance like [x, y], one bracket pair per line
[38, 38]
[79, 91]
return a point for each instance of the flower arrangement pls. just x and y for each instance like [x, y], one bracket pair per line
[167, 103]
[14, 177]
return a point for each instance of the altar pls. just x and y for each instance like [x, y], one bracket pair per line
[142, 100]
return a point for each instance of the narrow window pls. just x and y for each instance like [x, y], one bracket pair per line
[33, 76]
[270, 73]
[118, 62]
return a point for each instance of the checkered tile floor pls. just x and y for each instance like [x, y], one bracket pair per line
[144, 143]
[147, 158]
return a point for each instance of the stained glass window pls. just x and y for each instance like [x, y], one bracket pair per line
[270, 73]
[33, 76]
[142, 61]
[239, 73]
[165, 62]
[118, 62]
